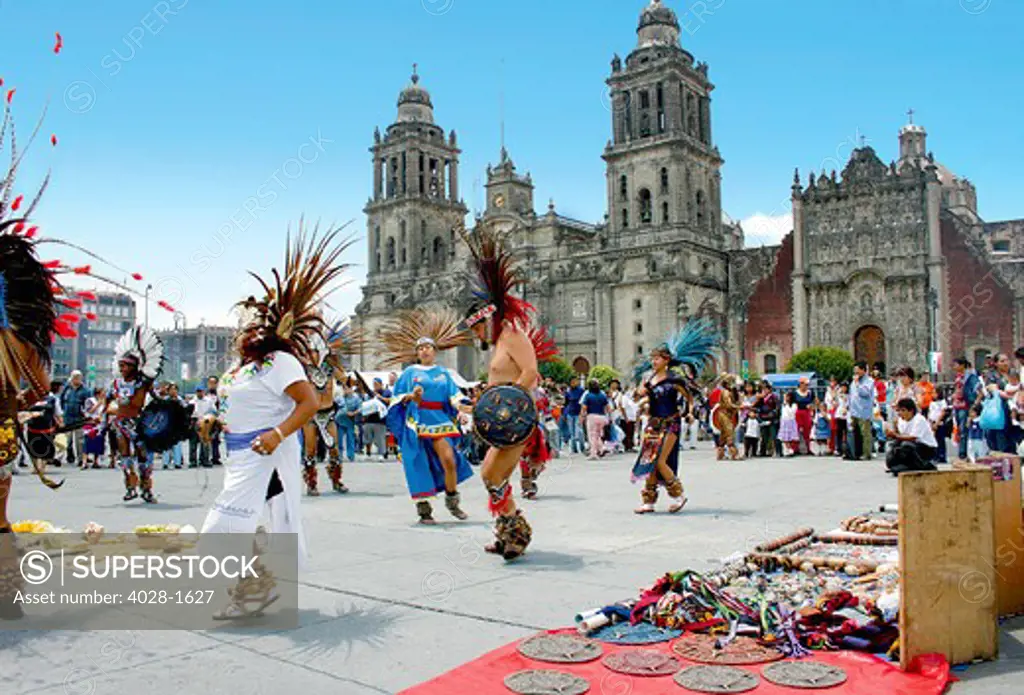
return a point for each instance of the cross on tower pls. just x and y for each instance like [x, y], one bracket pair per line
[910, 115]
[862, 139]
[415, 77]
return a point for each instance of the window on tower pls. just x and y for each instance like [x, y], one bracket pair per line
[645, 206]
[438, 251]
[404, 260]
[700, 208]
[376, 237]
[664, 180]
[645, 100]
[624, 187]
[645, 125]
[625, 218]
[434, 183]
[391, 253]
[664, 213]
[451, 243]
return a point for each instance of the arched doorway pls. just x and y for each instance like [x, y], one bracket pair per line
[869, 346]
[581, 365]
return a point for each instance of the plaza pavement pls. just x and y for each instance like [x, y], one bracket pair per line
[387, 604]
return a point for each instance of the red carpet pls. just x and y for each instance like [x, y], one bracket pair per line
[866, 675]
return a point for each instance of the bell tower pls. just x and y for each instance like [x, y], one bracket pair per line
[662, 167]
[415, 202]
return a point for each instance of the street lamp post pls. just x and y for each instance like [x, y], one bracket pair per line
[148, 288]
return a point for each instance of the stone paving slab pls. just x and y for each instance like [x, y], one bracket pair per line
[387, 604]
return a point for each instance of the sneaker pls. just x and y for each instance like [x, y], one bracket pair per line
[644, 509]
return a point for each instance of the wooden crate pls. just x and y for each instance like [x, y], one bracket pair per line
[947, 559]
[1009, 531]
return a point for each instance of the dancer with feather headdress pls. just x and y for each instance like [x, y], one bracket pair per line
[323, 373]
[425, 402]
[505, 415]
[139, 360]
[669, 391]
[35, 308]
[267, 397]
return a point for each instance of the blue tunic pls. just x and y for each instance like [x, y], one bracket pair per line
[415, 428]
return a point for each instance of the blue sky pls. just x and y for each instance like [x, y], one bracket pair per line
[170, 115]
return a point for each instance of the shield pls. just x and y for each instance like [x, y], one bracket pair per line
[162, 424]
[505, 416]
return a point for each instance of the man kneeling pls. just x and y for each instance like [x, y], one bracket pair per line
[915, 443]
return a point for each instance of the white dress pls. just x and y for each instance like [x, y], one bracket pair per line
[253, 400]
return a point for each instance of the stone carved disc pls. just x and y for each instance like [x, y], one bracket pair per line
[804, 674]
[546, 683]
[642, 662]
[742, 650]
[561, 649]
[717, 679]
[641, 633]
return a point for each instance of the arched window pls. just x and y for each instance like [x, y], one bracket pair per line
[391, 253]
[401, 226]
[377, 264]
[770, 364]
[623, 187]
[625, 218]
[404, 259]
[438, 250]
[980, 355]
[700, 208]
[664, 179]
[645, 206]
[664, 213]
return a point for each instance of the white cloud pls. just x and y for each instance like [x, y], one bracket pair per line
[766, 230]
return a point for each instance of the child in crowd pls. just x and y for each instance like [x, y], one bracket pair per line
[751, 436]
[977, 447]
[822, 430]
[789, 434]
[878, 427]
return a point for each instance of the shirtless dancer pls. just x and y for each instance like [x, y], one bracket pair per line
[125, 400]
[500, 318]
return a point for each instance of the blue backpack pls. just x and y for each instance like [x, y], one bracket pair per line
[993, 416]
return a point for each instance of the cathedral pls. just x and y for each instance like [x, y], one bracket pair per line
[888, 261]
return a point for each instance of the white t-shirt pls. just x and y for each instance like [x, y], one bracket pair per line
[206, 405]
[253, 397]
[918, 428]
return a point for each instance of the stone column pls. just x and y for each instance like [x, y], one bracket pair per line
[604, 329]
[453, 187]
[706, 119]
[378, 176]
[800, 313]
[936, 266]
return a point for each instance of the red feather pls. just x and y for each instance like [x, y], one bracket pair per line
[88, 296]
[83, 270]
[53, 140]
[59, 44]
[69, 318]
[64, 330]
[136, 276]
[52, 265]
[10, 94]
[18, 227]
[17, 202]
[543, 345]
[72, 303]
[90, 316]
[1, 82]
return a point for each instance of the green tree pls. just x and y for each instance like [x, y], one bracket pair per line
[828, 362]
[604, 374]
[558, 370]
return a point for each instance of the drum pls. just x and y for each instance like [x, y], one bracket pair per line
[162, 424]
[505, 416]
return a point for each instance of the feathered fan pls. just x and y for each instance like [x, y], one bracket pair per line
[144, 345]
[400, 335]
[288, 315]
[693, 345]
[494, 277]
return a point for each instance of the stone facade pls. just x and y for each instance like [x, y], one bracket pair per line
[887, 261]
[610, 291]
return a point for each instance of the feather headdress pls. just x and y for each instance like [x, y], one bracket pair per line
[495, 273]
[343, 341]
[407, 330]
[543, 345]
[288, 316]
[691, 346]
[142, 346]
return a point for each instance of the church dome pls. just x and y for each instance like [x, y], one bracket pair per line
[656, 13]
[658, 26]
[414, 102]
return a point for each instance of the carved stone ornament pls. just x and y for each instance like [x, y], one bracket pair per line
[546, 683]
[717, 679]
[642, 662]
[561, 649]
[804, 674]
